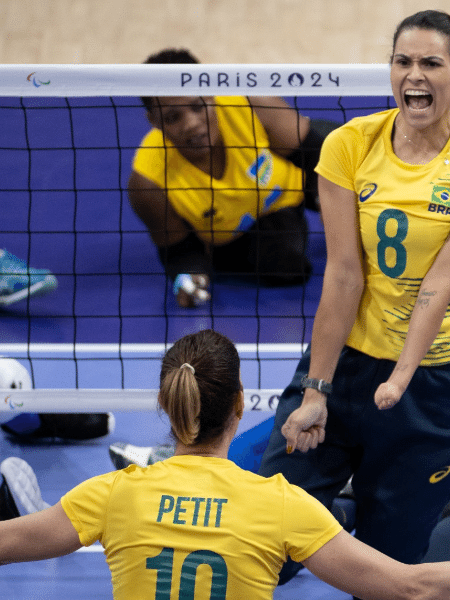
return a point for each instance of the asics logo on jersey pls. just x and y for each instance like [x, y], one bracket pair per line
[440, 474]
[368, 191]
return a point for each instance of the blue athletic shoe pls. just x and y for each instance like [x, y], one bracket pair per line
[18, 280]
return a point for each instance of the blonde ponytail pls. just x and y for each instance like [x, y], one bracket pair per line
[179, 397]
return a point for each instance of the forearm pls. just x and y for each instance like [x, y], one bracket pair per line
[426, 320]
[398, 581]
[351, 566]
[304, 428]
[187, 256]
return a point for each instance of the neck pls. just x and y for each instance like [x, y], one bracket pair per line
[217, 448]
[419, 145]
[213, 162]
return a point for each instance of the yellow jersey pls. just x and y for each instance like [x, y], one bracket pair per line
[197, 523]
[404, 219]
[256, 181]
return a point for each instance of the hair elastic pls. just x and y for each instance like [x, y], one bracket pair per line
[189, 367]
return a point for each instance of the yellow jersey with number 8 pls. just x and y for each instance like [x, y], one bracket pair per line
[404, 218]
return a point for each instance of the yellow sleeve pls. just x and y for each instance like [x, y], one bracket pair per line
[149, 158]
[308, 524]
[339, 156]
[86, 506]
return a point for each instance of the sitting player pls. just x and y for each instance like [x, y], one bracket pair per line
[221, 184]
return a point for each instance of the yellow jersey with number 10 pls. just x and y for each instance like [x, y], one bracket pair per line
[197, 524]
[404, 217]
[256, 181]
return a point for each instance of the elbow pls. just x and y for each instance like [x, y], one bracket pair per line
[354, 285]
[136, 202]
[347, 281]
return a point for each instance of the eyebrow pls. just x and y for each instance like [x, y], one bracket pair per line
[401, 55]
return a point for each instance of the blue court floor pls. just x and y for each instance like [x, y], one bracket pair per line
[64, 207]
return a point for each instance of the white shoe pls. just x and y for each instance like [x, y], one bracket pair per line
[123, 455]
[22, 483]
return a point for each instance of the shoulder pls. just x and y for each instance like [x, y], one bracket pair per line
[276, 485]
[92, 494]
[109, 480]
[350, 143]
[291, 500]
[149, 158]
[153, 138]
[361, 128]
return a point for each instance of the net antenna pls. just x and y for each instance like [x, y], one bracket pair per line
[343, 90]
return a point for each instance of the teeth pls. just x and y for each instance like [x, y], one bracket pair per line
[417, 93]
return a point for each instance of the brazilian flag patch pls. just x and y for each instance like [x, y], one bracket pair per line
[441, 194]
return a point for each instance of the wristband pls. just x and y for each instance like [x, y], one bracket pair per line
[183, 281]
[317, 384]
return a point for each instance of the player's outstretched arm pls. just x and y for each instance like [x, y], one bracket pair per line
[151, 205]
[38, 536]
[285, 126]
[353, 567]
[171, 235]
[341, 292]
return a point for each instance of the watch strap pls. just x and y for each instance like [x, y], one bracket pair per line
[317, 384]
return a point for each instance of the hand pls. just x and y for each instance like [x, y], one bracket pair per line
[305, 427]
[387, 395]
[191, 290]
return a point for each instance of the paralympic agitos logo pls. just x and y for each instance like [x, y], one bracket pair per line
[12, 403]
[35, 81]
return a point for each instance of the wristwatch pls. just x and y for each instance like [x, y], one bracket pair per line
[317, 384]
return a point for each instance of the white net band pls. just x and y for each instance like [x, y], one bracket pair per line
[194, 80]
[104, 400]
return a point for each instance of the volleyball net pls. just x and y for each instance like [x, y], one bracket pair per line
[67, 141]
